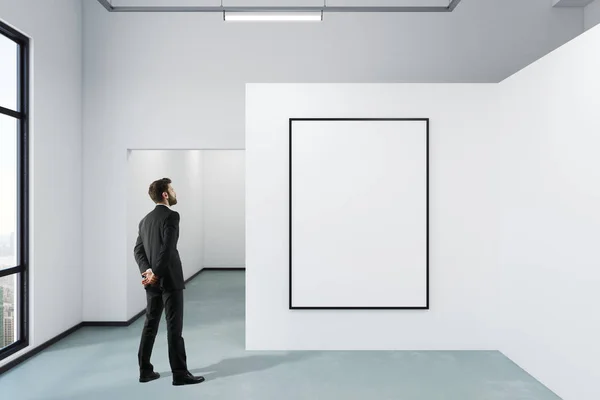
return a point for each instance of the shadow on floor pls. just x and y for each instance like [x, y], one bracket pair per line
[244, 365]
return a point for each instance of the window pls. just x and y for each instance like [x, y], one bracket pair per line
[14, 232]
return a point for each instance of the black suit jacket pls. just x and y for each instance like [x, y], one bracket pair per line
[156, 247]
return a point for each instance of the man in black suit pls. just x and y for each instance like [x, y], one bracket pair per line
[158, 259]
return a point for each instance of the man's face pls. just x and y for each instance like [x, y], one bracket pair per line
[172, 199]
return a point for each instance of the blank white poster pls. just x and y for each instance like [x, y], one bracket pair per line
[358, 214]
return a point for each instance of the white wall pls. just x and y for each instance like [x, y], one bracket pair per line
[549, 225]
[176, 81]
[184, 168]
[55, 187]
[462, 268]
[224, 208]
[514, 218]
[592, 14]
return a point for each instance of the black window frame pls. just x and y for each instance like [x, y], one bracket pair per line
[21, 114]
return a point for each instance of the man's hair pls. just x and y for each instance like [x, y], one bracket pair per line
[157, 188]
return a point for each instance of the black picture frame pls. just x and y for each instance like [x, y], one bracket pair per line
[427, 300]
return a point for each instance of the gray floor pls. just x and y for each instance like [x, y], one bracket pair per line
[100, 363]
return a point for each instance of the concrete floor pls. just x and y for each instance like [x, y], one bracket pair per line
[101, 363]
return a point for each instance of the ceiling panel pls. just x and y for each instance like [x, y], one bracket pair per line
[163, 3]
[571, 3]
[281, 3]
[388, 3]
[272, 3]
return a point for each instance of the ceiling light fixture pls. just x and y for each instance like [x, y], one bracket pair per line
[434, 6]
[232, 16]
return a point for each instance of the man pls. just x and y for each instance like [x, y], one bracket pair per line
[158, 259]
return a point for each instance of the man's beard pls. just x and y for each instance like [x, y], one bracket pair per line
[172, 200]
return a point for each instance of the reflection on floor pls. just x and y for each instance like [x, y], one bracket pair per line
[101, 363]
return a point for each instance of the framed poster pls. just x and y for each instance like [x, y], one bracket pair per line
[359, 213]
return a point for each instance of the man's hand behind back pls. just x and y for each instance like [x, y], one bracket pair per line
[149, 278]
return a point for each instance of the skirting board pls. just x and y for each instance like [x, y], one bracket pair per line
[10, 365]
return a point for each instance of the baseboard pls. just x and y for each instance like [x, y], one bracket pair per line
[31, 353]
[136, 316]
[193, 276]
[142, 312]
[223, 269]
[114, 323]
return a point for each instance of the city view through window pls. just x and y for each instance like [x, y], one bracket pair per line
[8, 294]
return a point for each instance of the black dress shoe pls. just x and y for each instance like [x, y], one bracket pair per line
[147, 377]
[188, 379]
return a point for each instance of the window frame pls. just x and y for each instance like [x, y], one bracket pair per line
[22, 267]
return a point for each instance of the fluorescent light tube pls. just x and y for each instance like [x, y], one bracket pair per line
[272, 16]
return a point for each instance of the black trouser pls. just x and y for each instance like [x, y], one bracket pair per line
[172, 302]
